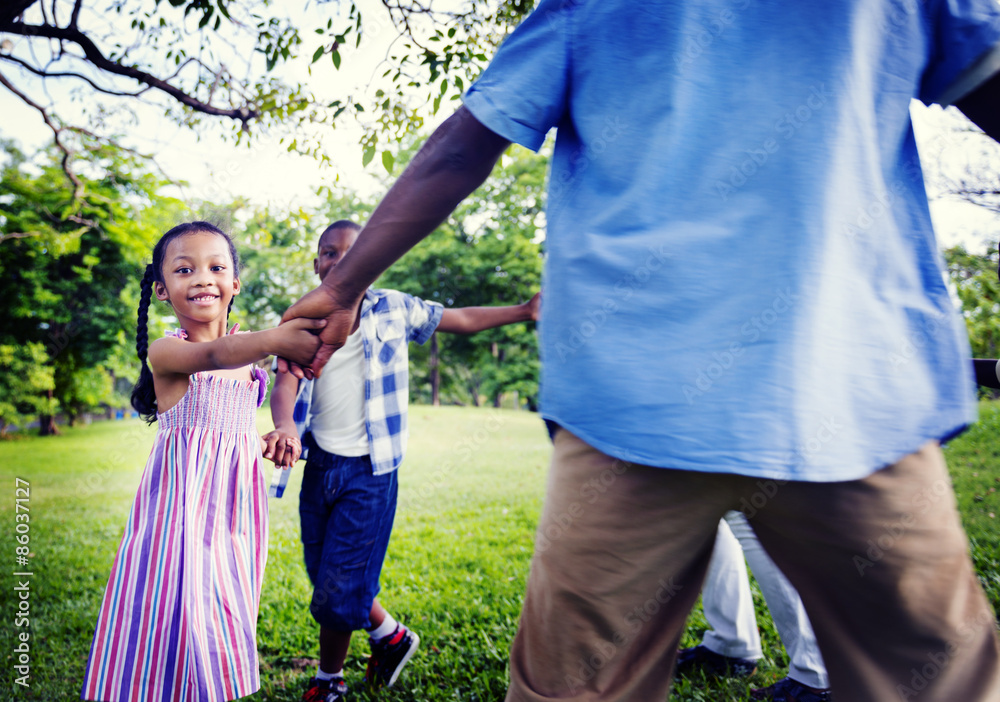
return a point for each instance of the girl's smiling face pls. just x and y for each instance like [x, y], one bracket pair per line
[198, 278]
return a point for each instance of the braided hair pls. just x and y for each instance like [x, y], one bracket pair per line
[143, 394]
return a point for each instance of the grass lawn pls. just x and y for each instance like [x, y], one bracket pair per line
[471, 491]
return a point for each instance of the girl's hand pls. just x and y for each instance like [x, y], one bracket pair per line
[282, 447]
[297, 340]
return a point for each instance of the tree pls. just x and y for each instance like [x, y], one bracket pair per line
[975, 280]
[70, 266]
[24, 382]
[80, 389]
[214, 60]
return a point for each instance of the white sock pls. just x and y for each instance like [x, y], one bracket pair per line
[387, 626]
[321, 675]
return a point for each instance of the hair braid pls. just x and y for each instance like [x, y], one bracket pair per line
[143, 394]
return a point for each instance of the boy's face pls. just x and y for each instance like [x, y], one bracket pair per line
[332, 246]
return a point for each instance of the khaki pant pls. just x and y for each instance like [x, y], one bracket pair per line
[882, 566]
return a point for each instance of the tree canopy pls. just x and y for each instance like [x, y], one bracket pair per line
[247, 64]
[69, 267]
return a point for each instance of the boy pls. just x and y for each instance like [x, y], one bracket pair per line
[352, 422]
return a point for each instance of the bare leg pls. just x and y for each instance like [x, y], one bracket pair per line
[333, 644]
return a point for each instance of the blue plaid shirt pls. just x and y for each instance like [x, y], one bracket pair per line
[389, 321]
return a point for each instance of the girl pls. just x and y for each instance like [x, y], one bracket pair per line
[179, 616]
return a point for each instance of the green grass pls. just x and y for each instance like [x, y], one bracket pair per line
[471, 491]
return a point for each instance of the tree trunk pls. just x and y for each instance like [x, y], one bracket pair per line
[47, 422]
[498, 355]
[435, 372]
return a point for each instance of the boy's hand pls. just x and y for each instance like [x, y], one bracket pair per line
[535, 306]
[282, 447]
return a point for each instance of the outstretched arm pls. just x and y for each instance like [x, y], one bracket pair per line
[469, 320]
[987, 373]
[170, 356]
[454, 161]
[982, 106]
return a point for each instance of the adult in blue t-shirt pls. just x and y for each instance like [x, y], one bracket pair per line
[744, 309]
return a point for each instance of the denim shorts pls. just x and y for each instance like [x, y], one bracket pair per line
[346, 514]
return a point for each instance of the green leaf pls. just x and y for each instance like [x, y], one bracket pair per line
[388, 160]
[318, 54]
[367, 157]
[336, 59]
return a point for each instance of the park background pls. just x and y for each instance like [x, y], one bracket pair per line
[272, 120]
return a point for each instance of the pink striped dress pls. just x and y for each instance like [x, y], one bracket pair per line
[179, 616]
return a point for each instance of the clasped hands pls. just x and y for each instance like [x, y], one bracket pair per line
[341, 313]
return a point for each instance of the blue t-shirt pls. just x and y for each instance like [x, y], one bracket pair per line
[741, 274]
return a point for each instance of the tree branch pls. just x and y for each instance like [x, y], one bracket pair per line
[99, 60]
[45, 74]
[76, 14]
[17, 235]
[67, 154]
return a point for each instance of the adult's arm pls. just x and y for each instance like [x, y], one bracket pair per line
[986, 372]
[982, 106]
[453, 162]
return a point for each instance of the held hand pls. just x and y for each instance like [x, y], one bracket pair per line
[297, 340]
[340, 317]
[293, 449]
[535, 306]
[282, 447]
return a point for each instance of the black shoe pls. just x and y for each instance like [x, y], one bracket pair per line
[702, 658]
[787, 690]
[389, 655]
[334, 690]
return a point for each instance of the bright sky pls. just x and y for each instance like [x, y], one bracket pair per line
[267, 174]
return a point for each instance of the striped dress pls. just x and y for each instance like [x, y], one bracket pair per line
[179, 616]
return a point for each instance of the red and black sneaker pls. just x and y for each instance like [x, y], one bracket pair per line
[389, 655]
[334, 690]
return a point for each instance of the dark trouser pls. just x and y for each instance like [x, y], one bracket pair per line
[346, 514]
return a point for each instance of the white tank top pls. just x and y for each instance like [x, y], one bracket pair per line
[338, 402]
